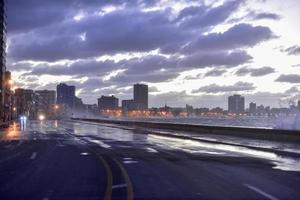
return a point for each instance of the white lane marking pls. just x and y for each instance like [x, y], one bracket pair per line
[33, 155]
[119, 186]
[130, 161]
[268, 196]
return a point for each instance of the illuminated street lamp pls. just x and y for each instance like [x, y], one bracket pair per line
[56, 107]
[10, 82]
[14, 109]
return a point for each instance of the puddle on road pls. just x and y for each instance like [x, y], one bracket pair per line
[191, 146]
[102, 144]
[84, 153]
[151, 150]
[130, 161]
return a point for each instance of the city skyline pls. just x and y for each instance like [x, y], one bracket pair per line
[252, 49]
[66, 94]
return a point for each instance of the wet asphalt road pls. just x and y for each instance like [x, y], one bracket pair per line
[76, 160]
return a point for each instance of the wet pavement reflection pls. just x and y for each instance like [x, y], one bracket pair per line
[112, 138]
[11, 133]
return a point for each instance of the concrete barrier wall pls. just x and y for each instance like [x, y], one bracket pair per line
[253, 133]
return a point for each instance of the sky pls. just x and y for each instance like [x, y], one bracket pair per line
[195, 52]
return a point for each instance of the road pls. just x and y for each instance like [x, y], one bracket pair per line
[79, 160]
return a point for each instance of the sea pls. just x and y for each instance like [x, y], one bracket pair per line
[279, 122]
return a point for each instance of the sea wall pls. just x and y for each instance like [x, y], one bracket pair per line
[253, 133]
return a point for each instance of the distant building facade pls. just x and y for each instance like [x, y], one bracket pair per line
[128, 105]
[3, 20]
[140, 96]
[25, 104]
[236, 104]
[108, 102]
[79, 104]
[252, 108]
[66, 95]
[45, 101]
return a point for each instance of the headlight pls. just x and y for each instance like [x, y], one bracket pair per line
[41, 117]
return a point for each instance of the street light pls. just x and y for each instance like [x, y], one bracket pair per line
[10, 82]
[56, 107]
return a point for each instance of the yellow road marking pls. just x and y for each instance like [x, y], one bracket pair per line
[127, 180]
[109, 178]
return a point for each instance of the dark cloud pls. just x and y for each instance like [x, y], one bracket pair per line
[237, 87]
[293, 50]
[152, 68]
[152, 77]
[255, 71]
[125, 31]
[219, 58]
[256, 15]
[215, 72]
[202, 16]
[266, 15]
[79, 68]
[41, 13]
[238, 36]
[293, 90]
[289, 78]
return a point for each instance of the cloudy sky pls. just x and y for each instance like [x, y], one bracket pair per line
[188, 51]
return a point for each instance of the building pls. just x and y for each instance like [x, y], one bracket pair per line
[128, 105]
[45, 102]
[2, 59]
[236, 104]
[66, 95]
[140, 96]
[79, 104]
[108, 102]
[25, 103]
[252, 108]
[298, 103]
[8, 97]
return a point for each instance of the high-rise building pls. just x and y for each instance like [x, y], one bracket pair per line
[108, 102]
[2, 57]
[8, 97]
[45, 101]
[236, 104]
[66, 95]
[140, 96]
[252, 107]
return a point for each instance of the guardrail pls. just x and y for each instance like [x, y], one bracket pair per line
[245, 132]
